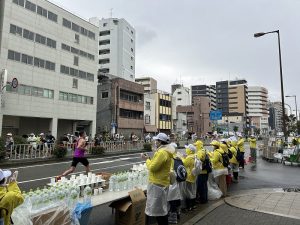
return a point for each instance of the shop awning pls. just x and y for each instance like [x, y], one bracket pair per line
[151, 128]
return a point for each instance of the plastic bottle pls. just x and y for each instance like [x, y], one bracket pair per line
[87, 194]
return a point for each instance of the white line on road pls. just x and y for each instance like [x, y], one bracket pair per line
[50, 164]
[45, 178]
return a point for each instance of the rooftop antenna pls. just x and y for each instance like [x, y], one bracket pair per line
[111, 12]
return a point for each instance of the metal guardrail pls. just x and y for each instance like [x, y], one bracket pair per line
[30, 151]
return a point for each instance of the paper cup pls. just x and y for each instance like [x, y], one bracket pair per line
[52, 180]
[96, 191]
[100, 191]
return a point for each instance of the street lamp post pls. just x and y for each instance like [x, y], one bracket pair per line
[295, 97]
[281, 79]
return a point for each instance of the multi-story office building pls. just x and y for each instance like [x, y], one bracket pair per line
[116, 47]
[174, 87]
[150, 84]
[258, 109]
[120, 107]
[163, 111]
[205, 90]
[197, 116]
[275, 120]
[53, 54]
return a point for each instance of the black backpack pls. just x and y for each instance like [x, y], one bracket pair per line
[207, 164]
[225, 159]
[230, 155]
[180, 170]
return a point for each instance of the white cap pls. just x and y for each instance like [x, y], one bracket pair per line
[9, 134]
[41, 134]
[161, 137]
[239, 135]
[32, 134]
[4, 174]
[191, 147]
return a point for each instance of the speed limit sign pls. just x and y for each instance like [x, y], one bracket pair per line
[14, 83]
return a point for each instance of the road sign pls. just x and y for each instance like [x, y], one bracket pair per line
[215, 115]
[14, 83]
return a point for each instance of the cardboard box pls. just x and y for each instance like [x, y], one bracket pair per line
[131, 210]
[105, 176]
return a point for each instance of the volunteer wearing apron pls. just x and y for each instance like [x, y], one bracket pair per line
[190, 188]
[220, 171]
[10, 196]
[234, 164]
[159, 179]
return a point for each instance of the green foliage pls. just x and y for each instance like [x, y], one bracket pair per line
[18, 140]
[97, 150]
[60, 151]
[147, 147]
[2, 148]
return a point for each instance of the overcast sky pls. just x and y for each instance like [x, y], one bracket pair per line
[204, 41]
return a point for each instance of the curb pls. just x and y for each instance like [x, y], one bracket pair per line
[205, 212]
[25, 162]
[228, 201]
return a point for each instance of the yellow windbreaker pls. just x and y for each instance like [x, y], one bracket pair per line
[11, 197]
[159, 166]
[240, 145]
[252, 142]
[189, 163]
[234, 153]
[216, 159]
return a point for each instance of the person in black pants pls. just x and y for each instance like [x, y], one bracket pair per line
[202, 188]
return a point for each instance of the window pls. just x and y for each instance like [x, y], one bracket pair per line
[104, 70]
[104, 24]
[90, 76]
[91, 35]
[40, 39]
[30, 6]
[74, 50]
[77, 38]
[76, 60]
[179, 99]
[131, 58]
[131, 40]
[19, 2]
[83, 31]
[131, 67]
[131, 32]
[28, 34]
[75, 27]
[75, 83]
[67, 23]
[52, 16]
[147, 106]
[27, 59]
[104, 33]
[83, 53]
[179, 92]
[51, 43]
[103, 61]
[104, 51]
[147, 119]
[104, 94]
[82, 74]
[104, 42]
[41, 11]
[14, 55]
[115, 22]
[131, 49]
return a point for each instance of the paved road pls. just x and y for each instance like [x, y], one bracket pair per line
[39, 175]
[228, 215]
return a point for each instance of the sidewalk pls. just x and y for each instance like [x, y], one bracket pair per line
[258, 206]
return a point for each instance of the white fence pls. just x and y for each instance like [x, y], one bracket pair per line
[30, 151]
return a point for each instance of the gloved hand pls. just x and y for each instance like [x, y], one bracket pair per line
[14, 177]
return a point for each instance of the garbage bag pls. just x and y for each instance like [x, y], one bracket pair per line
[81, 207]
[213, 192]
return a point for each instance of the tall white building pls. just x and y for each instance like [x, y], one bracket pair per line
[258, 108]
[181, 97]
[116, 47]
[53, 54]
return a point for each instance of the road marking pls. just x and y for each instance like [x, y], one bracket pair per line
[45, 178]
[50, 164]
